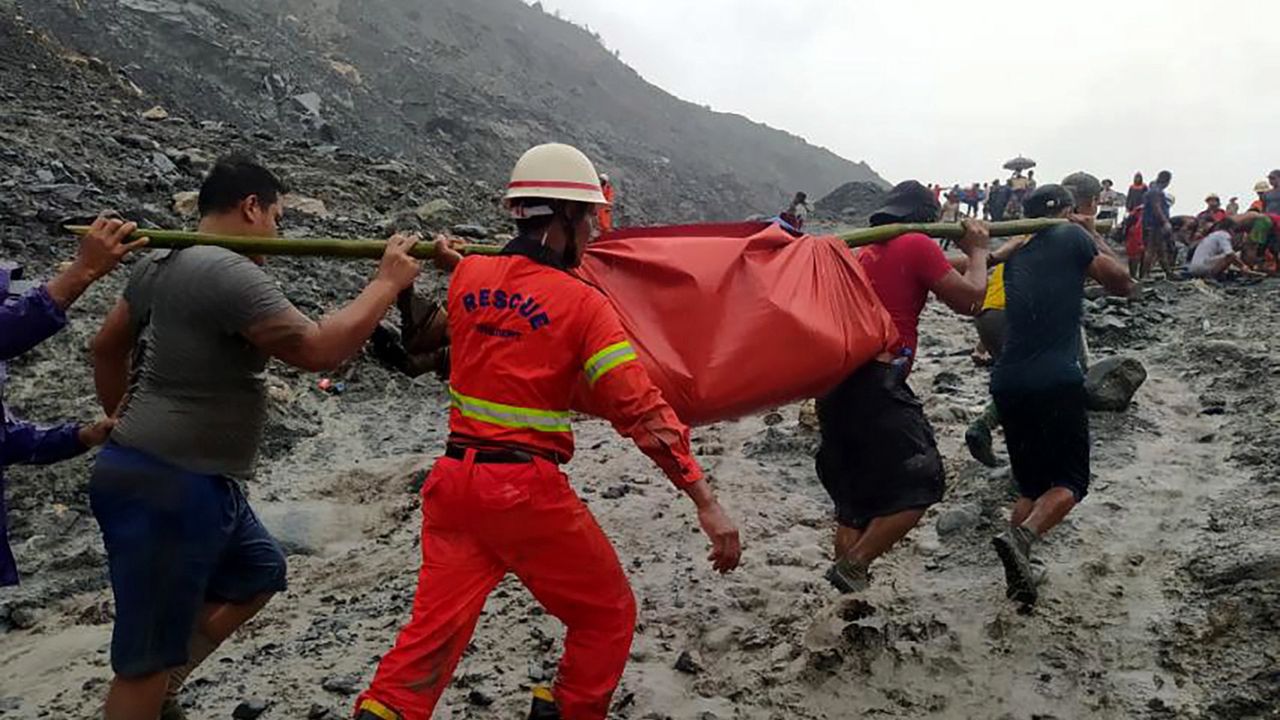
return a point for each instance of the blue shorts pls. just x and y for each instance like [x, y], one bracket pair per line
[175, 540]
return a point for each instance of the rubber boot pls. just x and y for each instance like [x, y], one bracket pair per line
[1014, 548]
[544, 705]
[848, 575]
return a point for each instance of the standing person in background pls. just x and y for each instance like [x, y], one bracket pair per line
[797, 212]
[1212, 212]
[1018, 185]
[997, 200]
[31, 313]
[1157, 226]
[1031, 181]
[1109, 202]
[604, 213]
[879, 457]
[1038, 384]
[1233, 206]
[1262, 187]
[1137, 193]
[1271, 199]
[951, 208]
[972, 200]
[1135, 247]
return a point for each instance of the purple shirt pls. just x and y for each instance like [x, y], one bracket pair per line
[26, 320]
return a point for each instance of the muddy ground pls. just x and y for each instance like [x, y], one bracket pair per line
[1162, 601]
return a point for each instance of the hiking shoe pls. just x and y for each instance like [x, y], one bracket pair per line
[1039, 575]
[1014, 548]
[978, 438]
[171, 710]
[848, 576]
[544, 705]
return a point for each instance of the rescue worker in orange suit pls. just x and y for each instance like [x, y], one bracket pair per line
[525, 333]
[604, 211]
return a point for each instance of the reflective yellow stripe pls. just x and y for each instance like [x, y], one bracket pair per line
[542, 692]
[377, 708]
[607, 359]
[510, 416]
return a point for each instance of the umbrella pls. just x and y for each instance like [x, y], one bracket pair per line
[1019, 164]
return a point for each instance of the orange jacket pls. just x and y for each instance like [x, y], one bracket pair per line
[524, 336]
[604, 213]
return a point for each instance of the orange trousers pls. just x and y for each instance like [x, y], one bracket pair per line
[481, 521]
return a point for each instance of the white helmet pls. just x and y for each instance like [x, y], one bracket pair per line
[555, 172]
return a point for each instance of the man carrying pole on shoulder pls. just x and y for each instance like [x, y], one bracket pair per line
[1038, 382]
[525, 334]
[181, 360]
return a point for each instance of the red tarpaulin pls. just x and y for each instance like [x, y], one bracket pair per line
[735, 319]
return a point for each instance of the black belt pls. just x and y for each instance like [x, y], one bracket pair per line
[488, 457]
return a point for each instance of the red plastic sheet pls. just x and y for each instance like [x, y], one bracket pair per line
[735, 319]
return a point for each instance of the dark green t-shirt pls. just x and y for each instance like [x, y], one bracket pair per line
[197, 397]
[1044, 291]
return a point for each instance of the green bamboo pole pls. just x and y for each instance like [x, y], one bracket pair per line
[373, 249]
[300, 247]
[952, 231]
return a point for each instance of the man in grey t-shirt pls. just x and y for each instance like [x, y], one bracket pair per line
[180, 361]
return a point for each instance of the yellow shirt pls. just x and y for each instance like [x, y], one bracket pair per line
[995, 290]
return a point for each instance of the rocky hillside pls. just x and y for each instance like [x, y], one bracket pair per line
[457, 87]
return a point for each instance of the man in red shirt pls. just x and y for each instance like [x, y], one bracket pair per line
[879, 459]
[525, 335]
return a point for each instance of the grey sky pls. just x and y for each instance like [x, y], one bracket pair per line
[946, 91]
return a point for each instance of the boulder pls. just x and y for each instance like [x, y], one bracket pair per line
[468, 230]
[187, 204]
[156, 114]
[162, 163]
[308, 102]
[1112, 383]
[306, 205]
[436, 212]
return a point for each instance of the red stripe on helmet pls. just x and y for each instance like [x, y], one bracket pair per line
[561, 184]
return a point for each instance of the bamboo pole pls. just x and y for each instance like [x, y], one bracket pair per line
[373, 249]
[299, 247]
[953, 231]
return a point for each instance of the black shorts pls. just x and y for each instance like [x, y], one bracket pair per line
[1047, 432]
[878, 454]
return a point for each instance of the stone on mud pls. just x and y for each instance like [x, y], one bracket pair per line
[689, 663]
[249, 709]
[957, 520]
[156, 114]
[1112, 383]
[341, 684]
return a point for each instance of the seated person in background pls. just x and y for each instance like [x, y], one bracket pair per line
[1215, 255]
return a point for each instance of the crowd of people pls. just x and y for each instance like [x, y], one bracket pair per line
[994, 201]
[179, 360]
[1218, 242]
[1239, 243]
